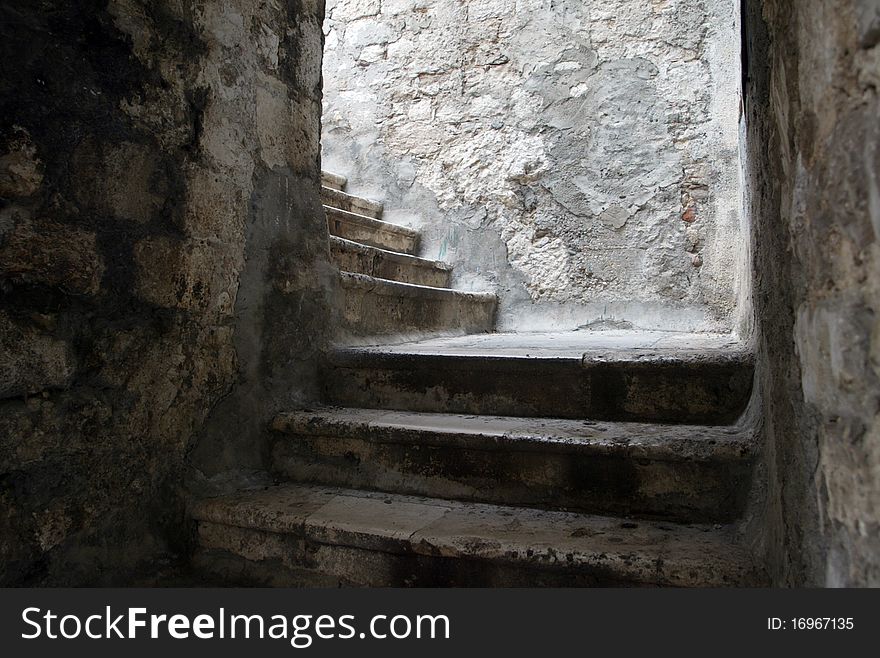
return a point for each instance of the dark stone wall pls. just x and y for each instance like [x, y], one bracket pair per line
[163, 266]
[813, 174]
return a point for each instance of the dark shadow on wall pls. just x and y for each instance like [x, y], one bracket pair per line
[163, 252]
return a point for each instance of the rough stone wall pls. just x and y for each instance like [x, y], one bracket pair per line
[161, 249]
[578, 156]
[814, 189]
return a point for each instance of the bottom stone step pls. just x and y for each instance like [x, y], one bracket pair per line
[296, 535]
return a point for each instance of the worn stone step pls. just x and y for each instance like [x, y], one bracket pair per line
[379, 307]
[689, 473]
[362, 259]
[333, 181]
[300, 534]
[371, 232]
[695, 379]
[338, 199]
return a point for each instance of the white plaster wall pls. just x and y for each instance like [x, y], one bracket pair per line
[579, 157]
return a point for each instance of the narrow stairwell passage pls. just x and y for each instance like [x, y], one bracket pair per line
[568, 459]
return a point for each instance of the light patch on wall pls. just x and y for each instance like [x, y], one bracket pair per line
[582, 123]
[543, 261]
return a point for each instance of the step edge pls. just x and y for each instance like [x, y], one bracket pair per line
[337, 179]
[371, 222]
[375, 206]
[396, 256]
[355, 280]
[728, 444]
[375, 355]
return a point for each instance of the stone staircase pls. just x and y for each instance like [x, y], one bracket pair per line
[577, 459]
[387, 289]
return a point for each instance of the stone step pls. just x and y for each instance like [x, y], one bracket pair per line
[688, 473]
[589, 376]
[371, 232]
[294, 535]
[333, 181]
[361, 259]
[379, 307]
[338, 199]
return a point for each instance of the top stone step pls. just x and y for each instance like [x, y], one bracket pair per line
[333, 181]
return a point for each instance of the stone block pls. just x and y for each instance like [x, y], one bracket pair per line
[187, 274]
[45, 252]
[20, 169]
[31, 361]
[122, 180]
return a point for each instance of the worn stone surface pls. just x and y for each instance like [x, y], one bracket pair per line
[580, 157]
[159, 180]
[378, 307]
[632, 376]
[371, 232]
[814, 190]
[386, 290]
[375, 539]
[339, 199]
[686, 472]
[47, 253]
[333, 181]
[32, 358]
[362, 259]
